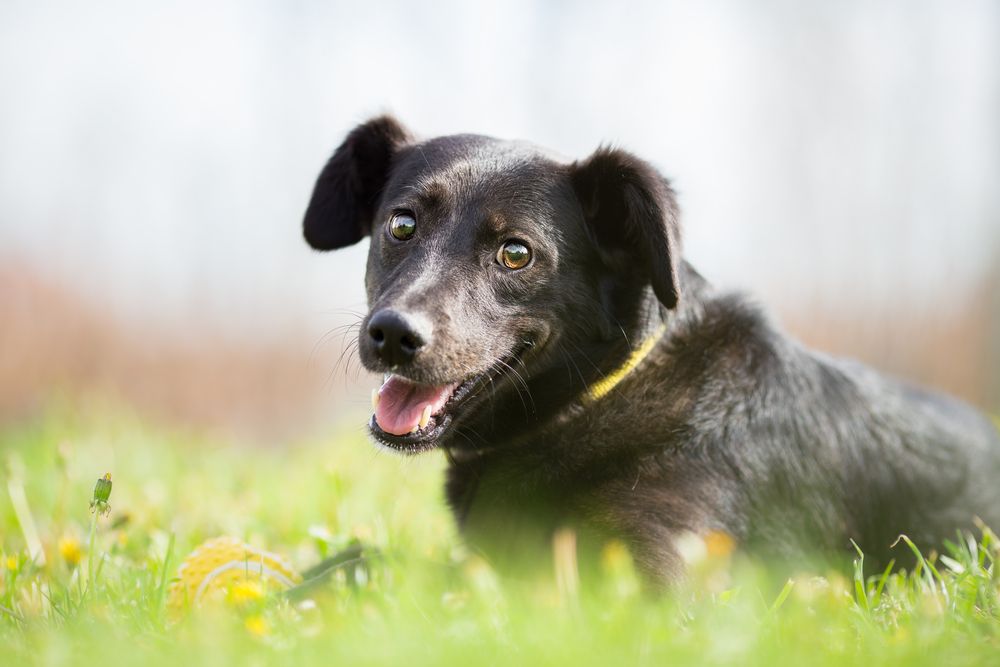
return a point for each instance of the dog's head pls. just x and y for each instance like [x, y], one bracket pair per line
[493, 266]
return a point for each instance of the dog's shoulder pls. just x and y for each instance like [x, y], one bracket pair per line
[723, 347]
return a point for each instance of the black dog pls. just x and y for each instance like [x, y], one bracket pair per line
[538, 323]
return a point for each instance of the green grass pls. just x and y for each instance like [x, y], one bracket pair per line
[422, 599]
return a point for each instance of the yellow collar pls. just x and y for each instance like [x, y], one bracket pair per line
[602, 387]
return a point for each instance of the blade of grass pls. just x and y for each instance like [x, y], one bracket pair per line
[91, 553]
[877, 597]
[165, 567]
[786, 590]
[13, 614]
[932, 576]
[860, 591]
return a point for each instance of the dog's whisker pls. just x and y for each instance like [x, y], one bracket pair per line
[517, 381]
[571, 365]
[346, 357]
[465, 430]
[492, 397]
[583, 354]
[349, 358]
[344, 354]
[343, 311]
[329, 334]
[352, 329]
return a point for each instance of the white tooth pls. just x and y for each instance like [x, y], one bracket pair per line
[414, 429]
[425, 416]
[375, 399]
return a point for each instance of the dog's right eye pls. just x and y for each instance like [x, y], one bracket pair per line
[514, 255]
[402, 226]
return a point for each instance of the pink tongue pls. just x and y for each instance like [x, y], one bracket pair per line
[401, 403]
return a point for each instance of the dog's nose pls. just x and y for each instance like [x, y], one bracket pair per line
[395, 336]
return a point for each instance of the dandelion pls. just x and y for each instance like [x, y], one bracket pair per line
[99, 506]
[615, 557]
[70, 550]
[11, 563]
[616, 562]
[719, 544]
[257, 625]
[713, 546]
[243, 593]
[102, 491]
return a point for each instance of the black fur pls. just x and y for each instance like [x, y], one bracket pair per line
[348, 188]
[632, 216]
[727, 425]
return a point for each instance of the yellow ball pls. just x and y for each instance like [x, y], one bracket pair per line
[225, 568]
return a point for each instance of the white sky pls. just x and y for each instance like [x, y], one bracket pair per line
[161, 156]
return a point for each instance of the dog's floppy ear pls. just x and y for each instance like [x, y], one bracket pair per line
[632, 216]
[343, 202]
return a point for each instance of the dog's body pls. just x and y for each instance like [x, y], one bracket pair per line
[506, 286]
[730, 426]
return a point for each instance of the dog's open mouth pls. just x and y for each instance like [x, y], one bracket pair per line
[411, 417]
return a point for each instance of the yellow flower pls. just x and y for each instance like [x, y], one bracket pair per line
[12, 563]
[719, 544]
[245, 592]
[69, 549]
[257, 626]
[714, 546]
[615, 557]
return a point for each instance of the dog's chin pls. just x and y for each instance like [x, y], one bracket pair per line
[467, 395]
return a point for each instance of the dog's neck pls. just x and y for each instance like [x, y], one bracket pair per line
[610, 365]
[598, 390]
[655, 323]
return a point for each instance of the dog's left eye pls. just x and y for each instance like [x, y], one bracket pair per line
[514, 255]
[402, 226]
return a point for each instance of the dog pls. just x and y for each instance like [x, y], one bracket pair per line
[535, 319]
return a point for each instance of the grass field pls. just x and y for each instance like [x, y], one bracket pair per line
[419, 597]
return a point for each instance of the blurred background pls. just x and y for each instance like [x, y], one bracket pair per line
[840, 161]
